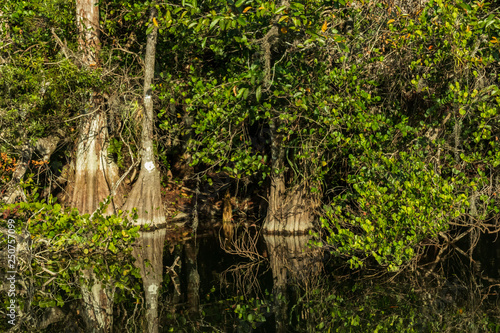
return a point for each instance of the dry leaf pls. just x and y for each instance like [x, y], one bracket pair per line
[324, 27]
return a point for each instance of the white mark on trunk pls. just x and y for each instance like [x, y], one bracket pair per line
[149, 166]
[153, 289]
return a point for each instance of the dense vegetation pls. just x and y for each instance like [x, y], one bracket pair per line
[372, 125]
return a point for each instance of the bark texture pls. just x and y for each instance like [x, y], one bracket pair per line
[227, 217]
[146, 195]
[95, 175]
[87, 20]
[290, 210]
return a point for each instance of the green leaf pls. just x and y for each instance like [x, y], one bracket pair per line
[258, 93]
[214, 22]
[239, 3]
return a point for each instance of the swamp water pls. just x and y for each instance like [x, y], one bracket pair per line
[279, 284]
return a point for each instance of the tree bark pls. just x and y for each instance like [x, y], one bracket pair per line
[95, 174]
[146, 194]
[227, 218]
[87, 20]
[289, 210]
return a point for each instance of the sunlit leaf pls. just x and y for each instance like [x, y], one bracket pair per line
[324, 27]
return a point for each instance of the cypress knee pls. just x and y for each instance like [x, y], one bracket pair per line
[227, 216]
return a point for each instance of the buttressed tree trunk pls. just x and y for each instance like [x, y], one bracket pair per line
[95, 174]
[290, 209]
[146, 195]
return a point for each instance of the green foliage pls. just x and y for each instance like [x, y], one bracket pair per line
[41, 86]
[419, 156]
[251, 310]
[396, 203]
[64, 244]
[389, 115]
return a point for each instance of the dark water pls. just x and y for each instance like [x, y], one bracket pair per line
[279, 284]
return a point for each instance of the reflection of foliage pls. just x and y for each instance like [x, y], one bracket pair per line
[245, 275]
[57, 245]
[403, 305]
[237, 313]
[242, 312]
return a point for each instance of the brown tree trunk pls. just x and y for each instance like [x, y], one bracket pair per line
[95, 175]
[146, 195]
[289, 210]
[227, 218]
[87, 20]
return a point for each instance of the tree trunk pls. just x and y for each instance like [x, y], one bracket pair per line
[227, 218]
[146, 195]
[289, 210]
[95, 174]
[87, 20]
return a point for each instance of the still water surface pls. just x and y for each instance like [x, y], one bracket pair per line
[279, 284]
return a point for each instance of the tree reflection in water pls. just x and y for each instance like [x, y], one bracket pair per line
[289, 287]
[286, 286]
